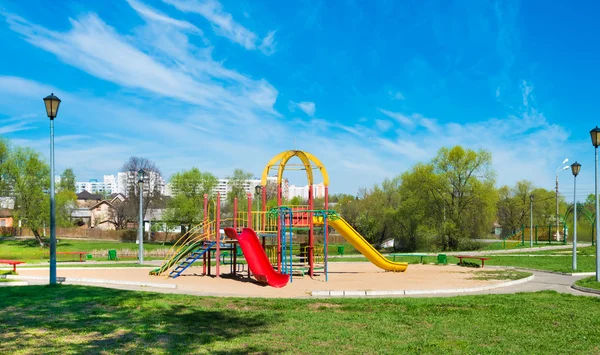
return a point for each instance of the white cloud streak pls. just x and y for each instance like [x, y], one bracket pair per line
[405, 120]
[224, 25]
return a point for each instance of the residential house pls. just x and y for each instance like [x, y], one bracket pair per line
[86, 199]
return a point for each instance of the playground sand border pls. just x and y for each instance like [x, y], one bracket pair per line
[370, 293]
[92, 280]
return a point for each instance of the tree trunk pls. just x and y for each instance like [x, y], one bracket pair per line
[37, 236]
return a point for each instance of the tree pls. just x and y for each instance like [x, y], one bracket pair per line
[151, 191]
[190, 186]
[467, 189]
[238, 182]
[65, 204]
[29, 177]
[513, 206]
[67, 181]
[4, 158]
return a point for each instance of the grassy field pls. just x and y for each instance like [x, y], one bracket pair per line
[589, 282]
[86, 320]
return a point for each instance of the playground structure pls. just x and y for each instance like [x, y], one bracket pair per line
[270, 238]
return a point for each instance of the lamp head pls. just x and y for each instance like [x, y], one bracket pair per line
[141, 174]
[595, 134]
[566, 160]
[258, 189]
[575, 167]
[52, 104]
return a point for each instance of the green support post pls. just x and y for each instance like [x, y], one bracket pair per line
[593, 228]
[564, 233]
[536, 234]
[549, 233]
[523, 235]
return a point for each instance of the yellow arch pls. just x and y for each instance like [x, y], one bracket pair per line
[283, 159]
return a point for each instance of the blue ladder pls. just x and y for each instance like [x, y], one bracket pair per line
[195, 255]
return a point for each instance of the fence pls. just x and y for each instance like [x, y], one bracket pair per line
[101, 234]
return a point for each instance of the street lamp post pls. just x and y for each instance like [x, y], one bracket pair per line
[52, 104]
[562, 168]
[595, 134]
[531, 221]
[141, 219]
[575, 167]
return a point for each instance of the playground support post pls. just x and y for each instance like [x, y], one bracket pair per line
[279, 236]
[311, 232]
[235, 212]
[218, 235]
[205, 212]
[264, 206]
[250, 212]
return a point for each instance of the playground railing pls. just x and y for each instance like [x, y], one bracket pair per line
[195, 234]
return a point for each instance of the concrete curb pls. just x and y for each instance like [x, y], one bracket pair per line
[90, 280]
[367, 293]
[16, 283]
[585, 289]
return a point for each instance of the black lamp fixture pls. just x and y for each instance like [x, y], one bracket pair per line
[575, 167]
[595, 134]
[52, 104]
[141, 174]
[258, 189]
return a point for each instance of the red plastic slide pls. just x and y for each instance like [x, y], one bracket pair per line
[257, 259]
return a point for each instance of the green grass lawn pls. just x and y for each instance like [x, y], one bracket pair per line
[87, 320]
[589, 282]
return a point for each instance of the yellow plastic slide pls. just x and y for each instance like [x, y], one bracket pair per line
[363, 246]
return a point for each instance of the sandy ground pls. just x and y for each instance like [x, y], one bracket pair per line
[342, 276]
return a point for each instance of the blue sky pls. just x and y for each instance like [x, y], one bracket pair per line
[369, 87]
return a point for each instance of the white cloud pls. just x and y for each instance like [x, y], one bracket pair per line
[526, 91]
[307, 107]
[383, 125]
[405, 120]
[85, 47]
[268, 43]
[154, 15]
[396, 95]
[224, 25]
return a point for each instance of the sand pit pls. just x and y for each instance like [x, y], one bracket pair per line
[342, 277]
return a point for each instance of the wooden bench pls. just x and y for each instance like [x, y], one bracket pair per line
[408, 254]
[14, 263]
[461, 257]
[81, 253]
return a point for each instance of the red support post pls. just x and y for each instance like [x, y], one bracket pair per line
[264, 206]
[218, 235]
[235, 212]
[311, 233]
[250, 211]
[278, 230]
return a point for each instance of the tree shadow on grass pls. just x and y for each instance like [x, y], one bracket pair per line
[75, 319]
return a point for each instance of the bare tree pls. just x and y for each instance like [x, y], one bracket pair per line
[151, 187]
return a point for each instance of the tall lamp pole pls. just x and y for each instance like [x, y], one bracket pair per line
[141, 219]
[575, 167]
[531, 220]
[562, 168]
[257, 191]
[595, 133]
[52, 103]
